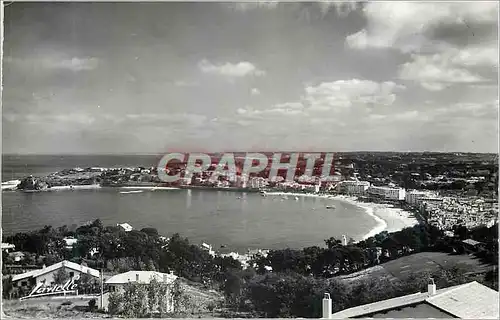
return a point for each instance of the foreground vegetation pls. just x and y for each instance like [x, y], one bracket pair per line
[294, 287]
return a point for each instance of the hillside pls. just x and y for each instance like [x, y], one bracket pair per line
[420, 262]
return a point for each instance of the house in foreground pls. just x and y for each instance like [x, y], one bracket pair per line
[118, 282]
[468, 301]
[42, 282]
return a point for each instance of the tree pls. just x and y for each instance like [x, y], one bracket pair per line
[211, 307]
[61, 276]
[87, 284]
[135, 301]
[115, 303]
[290, 295]
[314, 260]
[461, 232]
[92, 304]
[447, 277]
[332, 242]
[287, 260]
[491, 279]
[151, 232]
[8, 287]
[140, 300]
[232, 288]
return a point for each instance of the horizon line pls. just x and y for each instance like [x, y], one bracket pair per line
[235, 151]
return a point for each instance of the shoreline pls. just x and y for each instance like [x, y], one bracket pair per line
[388, 217]
[152, 188]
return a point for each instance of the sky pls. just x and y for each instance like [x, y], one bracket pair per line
[93, 78]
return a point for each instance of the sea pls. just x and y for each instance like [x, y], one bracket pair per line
[236, 221]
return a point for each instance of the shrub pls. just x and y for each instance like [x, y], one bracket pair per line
[92, 304]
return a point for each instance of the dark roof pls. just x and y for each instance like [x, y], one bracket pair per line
[469, 301]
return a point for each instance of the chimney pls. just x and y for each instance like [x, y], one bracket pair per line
[431, 287]
[327, 306]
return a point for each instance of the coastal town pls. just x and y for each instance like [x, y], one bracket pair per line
[447, 208]
[444, 194]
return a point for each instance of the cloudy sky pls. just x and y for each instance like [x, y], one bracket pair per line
[159, 77]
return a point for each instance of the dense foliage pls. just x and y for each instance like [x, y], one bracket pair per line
[294, 287]
[337, 259]
[144, 301]
[113, 249]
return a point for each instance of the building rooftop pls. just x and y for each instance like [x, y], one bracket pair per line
[5, 246]
[125, 226]
[141, 276]
[65, 263]
[470, 301]
[471, 242]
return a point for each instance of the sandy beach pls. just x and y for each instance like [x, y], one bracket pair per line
[150, 188]
[77, 187]
[388, 217]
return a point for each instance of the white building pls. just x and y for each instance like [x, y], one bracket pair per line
[415, 197]
[45, 277]
[242, 258]
[125, 226]
[208, 248]
[117, 283]
[387, 193]
[354, 187]
[258, 182]
[344, 240]
[317, 187]
[10, 185]
[17, 256]
[70, 242]
[8, 247]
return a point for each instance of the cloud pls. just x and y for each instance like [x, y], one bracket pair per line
[255, 91]
[290, 105]
[439, 71]
[332, 96]
[487, 110]
[479, 56]
[410, 115]
[335, 96]
[249, 112]
[48, 119]
[450, 43]
[346, 93]
[162, 119]
[56, 62]
[240, 69]
[186, 83]
[185, 120]
[77, 64]
[405, 25]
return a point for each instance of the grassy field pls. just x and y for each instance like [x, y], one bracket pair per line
[420, 262]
